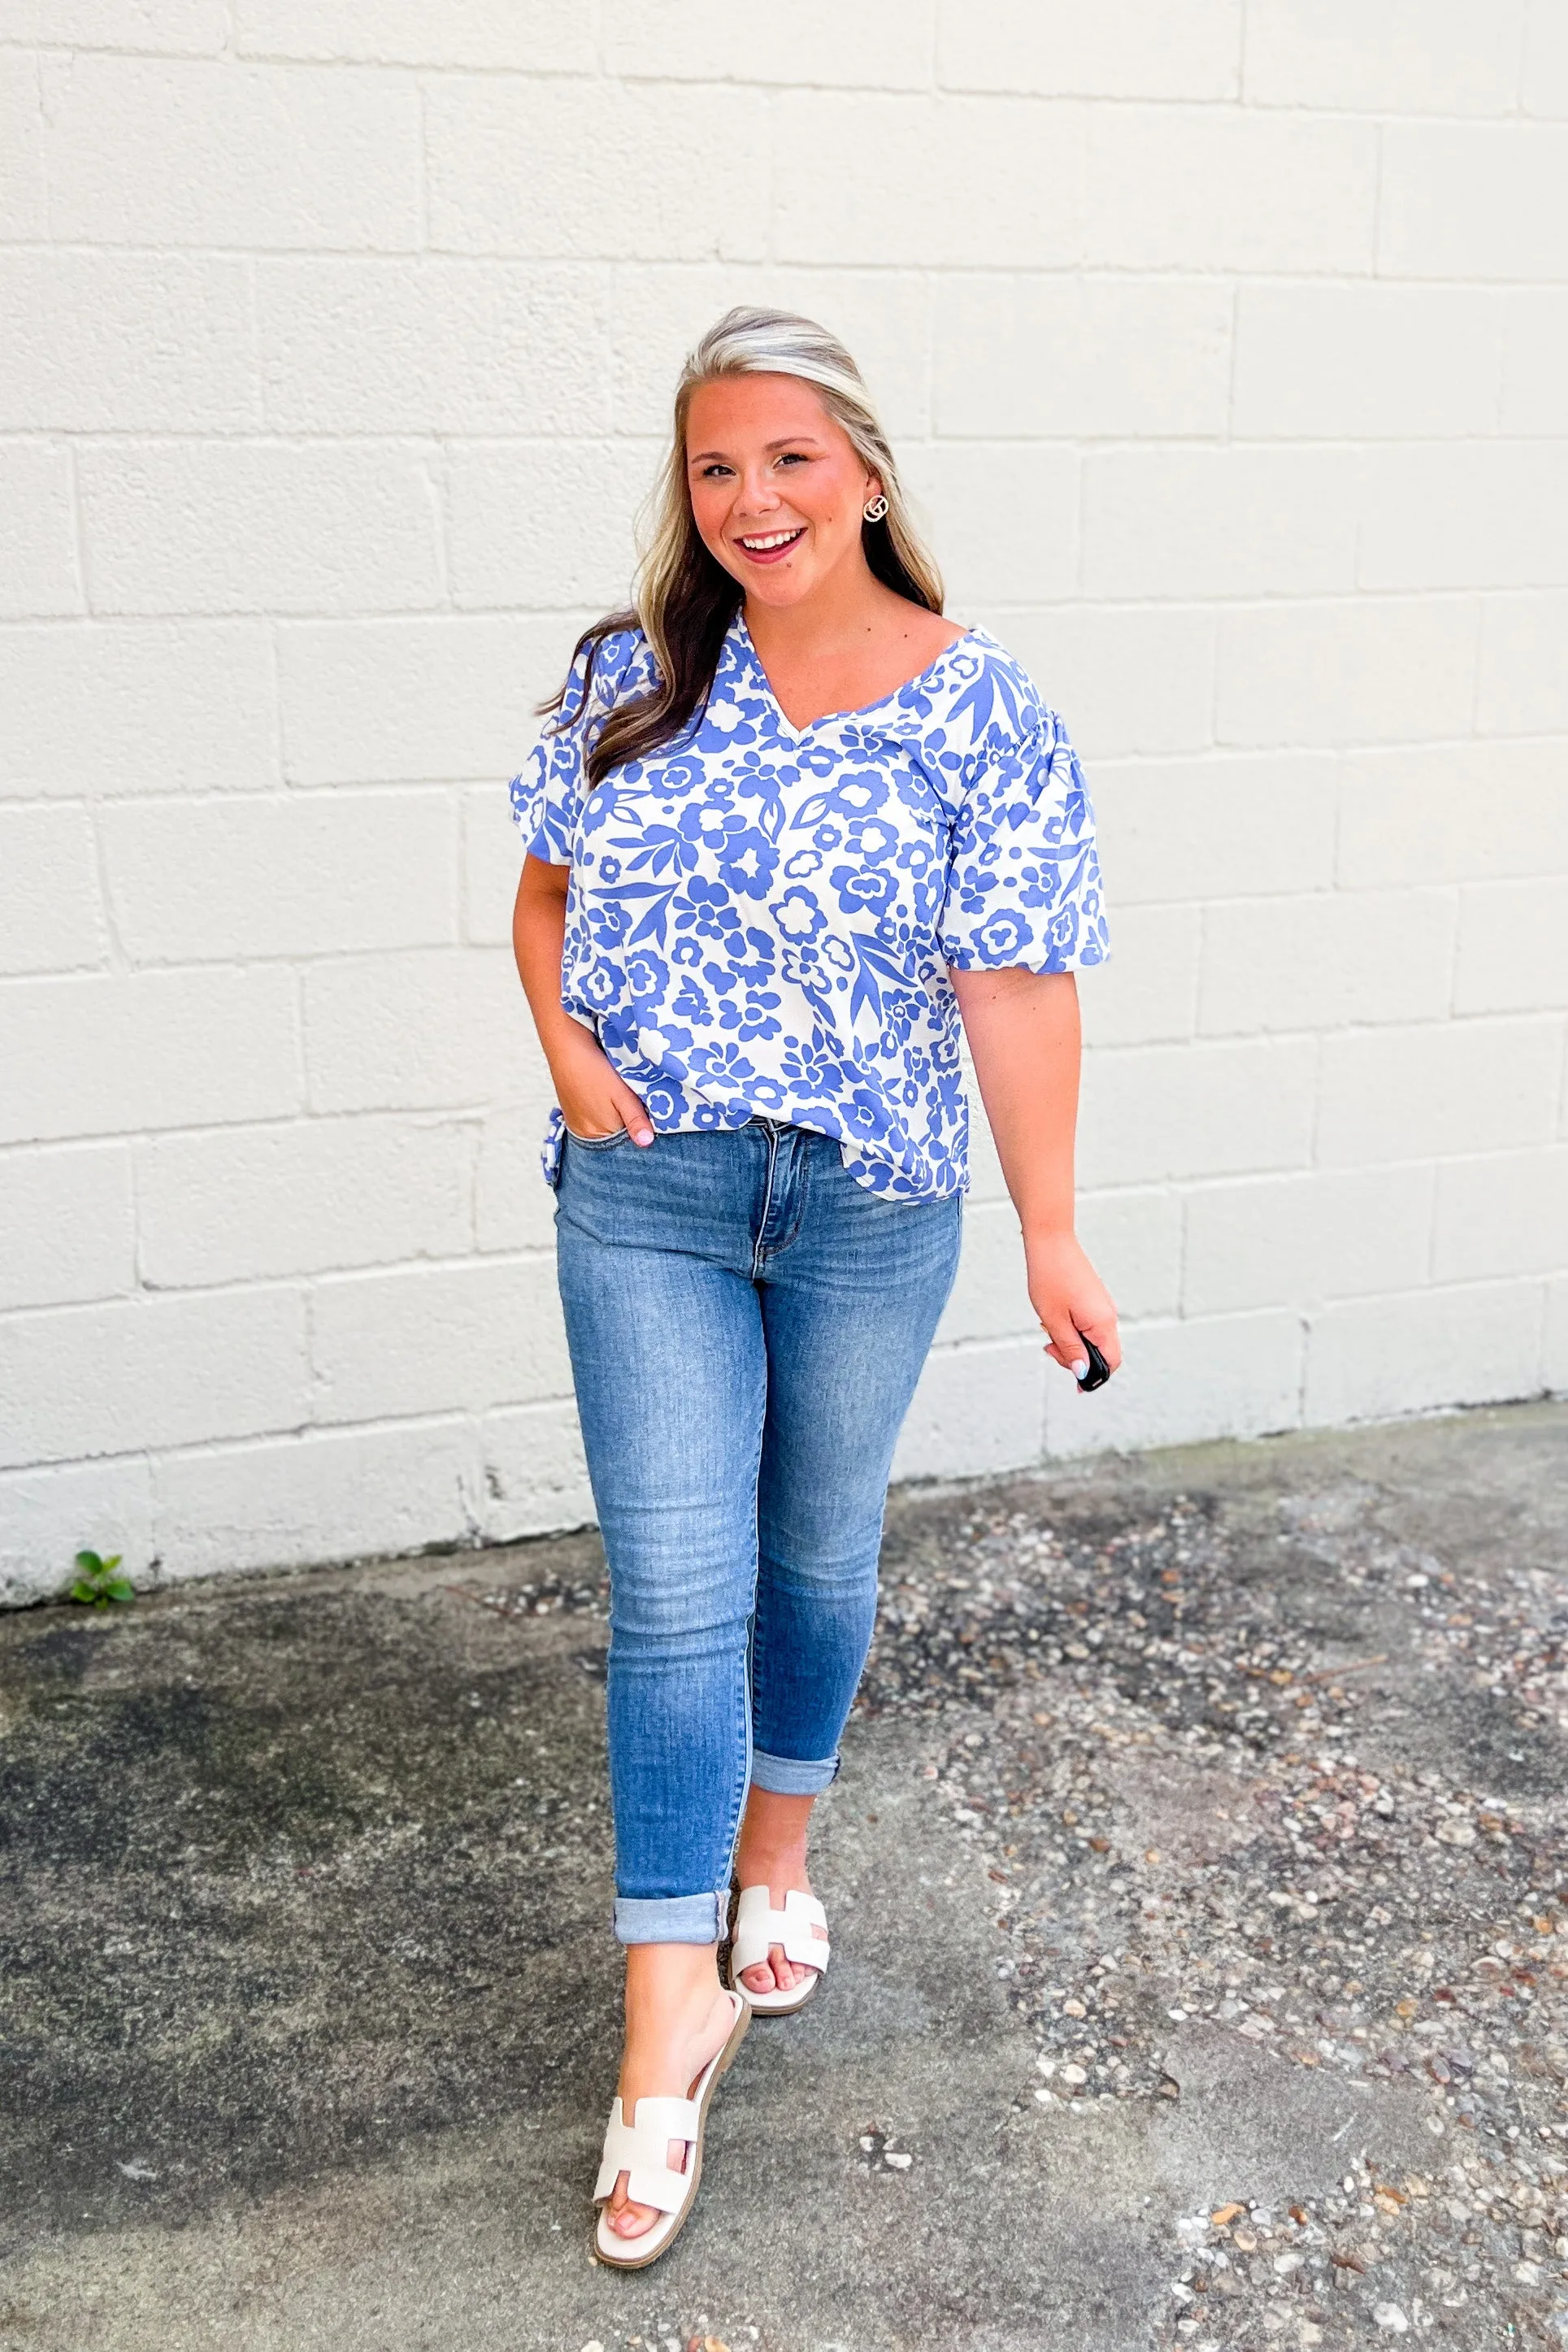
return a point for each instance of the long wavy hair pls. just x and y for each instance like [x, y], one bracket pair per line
[684, 600]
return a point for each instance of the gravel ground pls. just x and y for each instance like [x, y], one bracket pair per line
[1367, 1912]
[1200, 1912]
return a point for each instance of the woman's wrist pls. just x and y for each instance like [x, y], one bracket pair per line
[572, 1051]
[1047, 1232]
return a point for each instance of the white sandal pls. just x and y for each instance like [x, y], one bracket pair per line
[641, 2149]
[757, 1928]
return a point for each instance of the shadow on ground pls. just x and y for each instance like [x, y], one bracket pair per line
[1195, 1877]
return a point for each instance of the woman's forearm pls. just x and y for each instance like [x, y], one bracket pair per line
[538, 939]
[594, 1098]
[1024, 1036]
[1023, 1033]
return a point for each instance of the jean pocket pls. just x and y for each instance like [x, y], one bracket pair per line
[596, 1142]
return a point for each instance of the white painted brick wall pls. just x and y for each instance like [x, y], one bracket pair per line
[165, 1371]
[51, 916]
[1474, 200]
[202, 153]
[1226, 347]
[299, 873]
[126, 1051]
[1184, 188]
[1534, 370]
[39, 570]
[1523, 683]
[138, 707]
[68, 1225]
[586, 188]
[486, 1332]
[305, 1196]
[224, 526]
[1397, 56]
[1370, 362]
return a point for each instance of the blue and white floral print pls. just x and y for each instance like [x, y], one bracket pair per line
[762, 917]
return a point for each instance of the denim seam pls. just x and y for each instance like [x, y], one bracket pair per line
[737, 1800]
[757, 1253]
[738, 1805]
[755, 1656]
[802, 1164]
[800, 1175]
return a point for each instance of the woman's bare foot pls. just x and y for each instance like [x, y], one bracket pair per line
[771, 1852]
[678, 2017]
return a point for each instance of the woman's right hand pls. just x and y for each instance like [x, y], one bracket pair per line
[595, 1101]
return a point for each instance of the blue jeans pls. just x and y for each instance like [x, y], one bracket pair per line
[747, 1325]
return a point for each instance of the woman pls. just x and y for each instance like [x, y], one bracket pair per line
[788, 826]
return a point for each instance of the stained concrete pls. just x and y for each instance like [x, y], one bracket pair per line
[310, 2010]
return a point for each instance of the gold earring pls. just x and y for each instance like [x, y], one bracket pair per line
[874, 508]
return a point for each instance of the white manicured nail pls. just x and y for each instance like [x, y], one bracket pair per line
[1080, 1368]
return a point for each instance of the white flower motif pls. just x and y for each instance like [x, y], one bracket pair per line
[797, 914]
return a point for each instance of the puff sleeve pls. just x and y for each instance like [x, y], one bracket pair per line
[1024, 874]
[548, 792]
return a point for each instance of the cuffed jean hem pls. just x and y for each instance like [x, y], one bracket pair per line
[788, 1776]
[671, 1919]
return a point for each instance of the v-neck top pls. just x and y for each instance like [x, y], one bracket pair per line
[762, 918]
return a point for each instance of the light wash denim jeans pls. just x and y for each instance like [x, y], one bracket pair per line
[747, 1325]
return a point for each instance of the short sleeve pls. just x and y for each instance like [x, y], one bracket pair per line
[1023, 875]
[548, 794]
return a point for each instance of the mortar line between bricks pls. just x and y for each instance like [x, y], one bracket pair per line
[121, 964]
[137, 1145]
[423, 440]
[426, 440]
[303, 1433]
[329, 1280]
[1521, 62]
[1233, 328]
[359, 617]
[79, 535]
[770, 180]
[1236, 103]
[433, 1118]
[1057, 98]
[1243, 31]
[559, 262]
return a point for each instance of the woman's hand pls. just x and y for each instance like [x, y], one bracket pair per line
[594, 1099]
[1070, 1299]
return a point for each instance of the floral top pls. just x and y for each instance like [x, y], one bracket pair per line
[762, 917]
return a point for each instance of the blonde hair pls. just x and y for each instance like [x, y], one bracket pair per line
[684, 600]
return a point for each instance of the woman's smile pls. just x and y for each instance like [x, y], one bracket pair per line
[769, 546]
